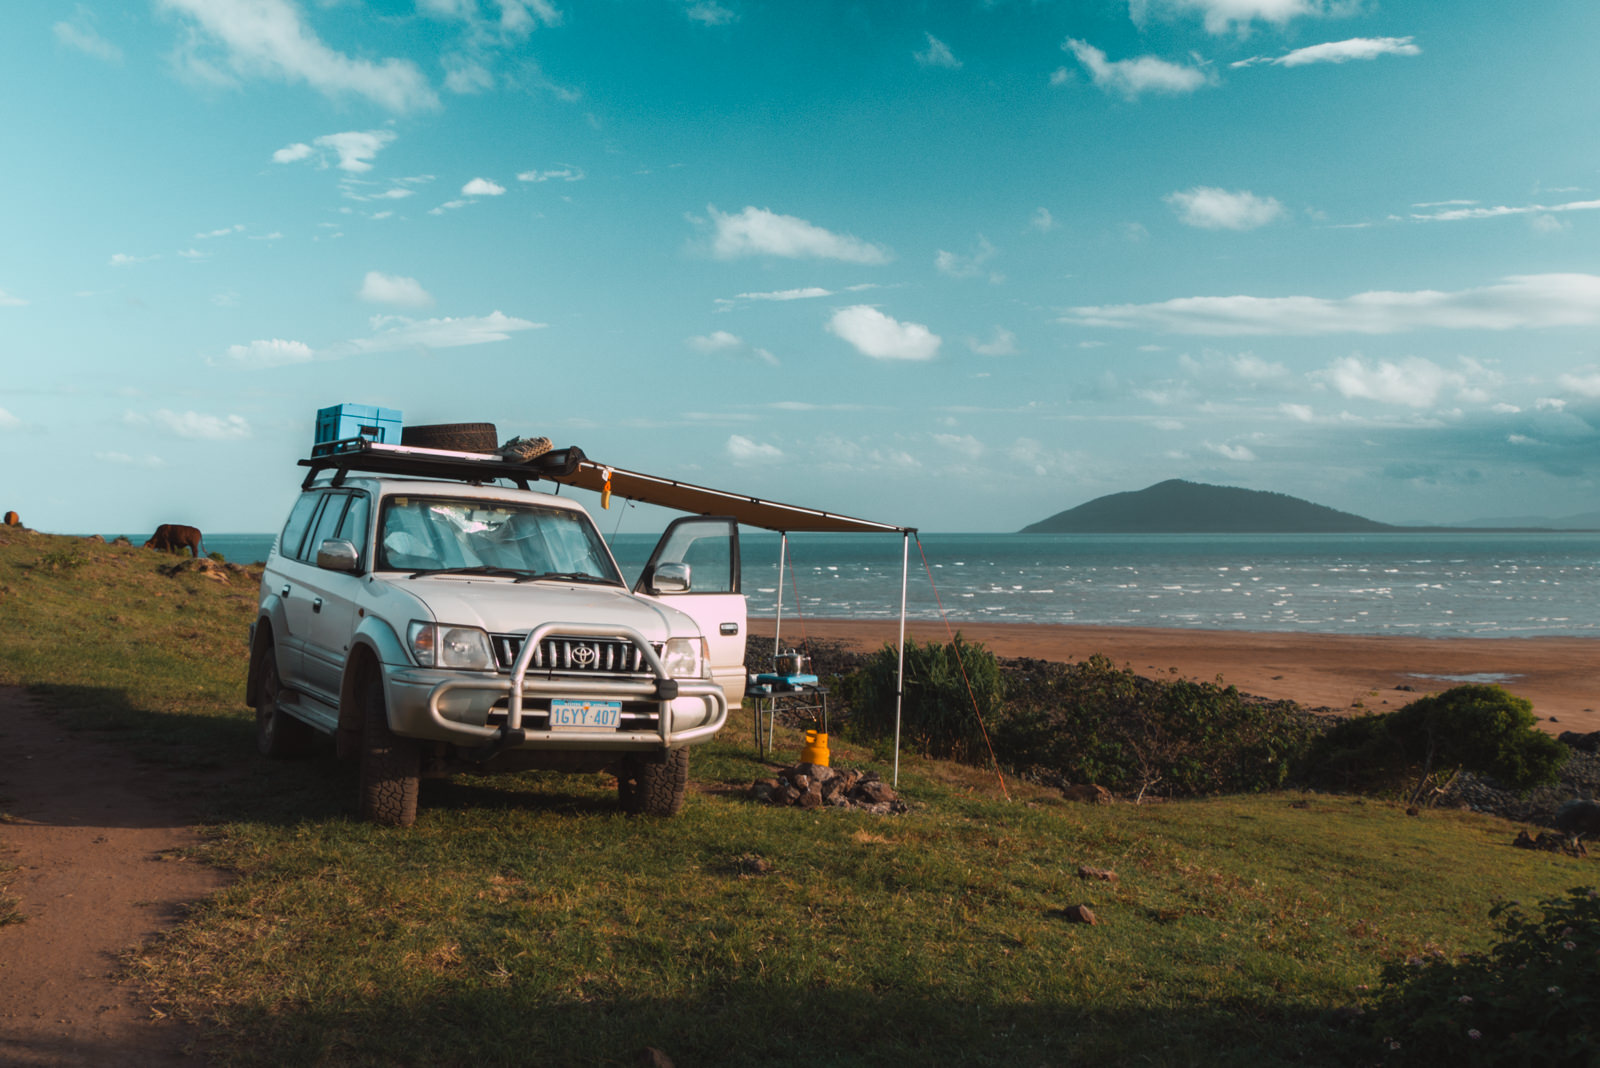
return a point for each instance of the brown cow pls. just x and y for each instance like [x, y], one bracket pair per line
[13, 519]
[174, 537]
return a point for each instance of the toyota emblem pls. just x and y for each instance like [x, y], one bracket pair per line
[584, 655]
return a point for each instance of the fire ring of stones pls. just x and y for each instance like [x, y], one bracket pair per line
[816, 786]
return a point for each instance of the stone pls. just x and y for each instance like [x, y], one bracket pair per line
[95, 538]
[762, 790]
[121, 539]
[1584, 743]
[1080, 914]
[874, 792]
[1088, 794]
[811, 798]
[800, 781]
[785, 795]
[1085, 871]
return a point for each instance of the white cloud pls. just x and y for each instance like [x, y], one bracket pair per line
[223, 232]
[130, 461]
[292, 153]
[274, 353]
[393, 333]
[1517, 302]
[380, 288]
[1233, 452]
[938, 55]
[1001, 343]
[709, 13]
[464, 76]
[806, 293]
[1585, 384]
[482, 187]
[268, 39]
[1035, 458]
[882, 337]
[1301, 412]
[1042, 221]
[194, 424]
[122, 259]
[1457, 214]
[760, 232]
[193, 254]
[9, 421]
[958, 266]
[1412, 382]
[356, 149]
[449, 205]
[9, 301]
[718, 341]
[1217, 209]
[80, 33]
[1130, 77]
[741, 450]
[1339, 52]
[565, 173]
[1548, 224]
[1221, 16]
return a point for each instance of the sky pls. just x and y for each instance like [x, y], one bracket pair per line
[956, 266]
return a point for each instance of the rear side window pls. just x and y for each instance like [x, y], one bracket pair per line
[327, 523]
[353, 528]
[294, 531]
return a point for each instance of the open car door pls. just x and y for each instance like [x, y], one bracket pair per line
[697, 561]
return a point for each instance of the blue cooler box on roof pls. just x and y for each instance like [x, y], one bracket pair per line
[343, 421]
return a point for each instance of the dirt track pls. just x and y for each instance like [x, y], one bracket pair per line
[97, 873]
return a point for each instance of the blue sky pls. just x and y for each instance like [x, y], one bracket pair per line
[957, 266]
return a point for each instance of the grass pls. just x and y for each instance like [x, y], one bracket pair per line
[525, 921]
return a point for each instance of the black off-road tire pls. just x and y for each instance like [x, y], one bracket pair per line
[650, 788]
[391, 766]
[462, 437]
[278, 734]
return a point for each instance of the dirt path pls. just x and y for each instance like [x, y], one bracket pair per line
[93, 845]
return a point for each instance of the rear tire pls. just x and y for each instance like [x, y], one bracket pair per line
[390, 765]
[650, 788]
[462, 437]
[278, 734]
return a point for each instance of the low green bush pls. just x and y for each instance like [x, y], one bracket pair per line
[1532, 999]
[1097, 723]
[943, 683]
[1421, 747]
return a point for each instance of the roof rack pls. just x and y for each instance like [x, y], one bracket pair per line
[374, 457]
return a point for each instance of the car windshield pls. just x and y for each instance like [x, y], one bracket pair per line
[426, 535]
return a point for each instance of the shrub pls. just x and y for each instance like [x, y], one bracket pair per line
[937, 712]
[1425, 744]
[1532, 999]
[1096, 723]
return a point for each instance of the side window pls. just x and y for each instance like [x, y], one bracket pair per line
[353, 528]
[294, 531]
[327, 523]
[709, 545]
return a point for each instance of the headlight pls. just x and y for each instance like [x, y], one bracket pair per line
[685, 658]
[446, 646]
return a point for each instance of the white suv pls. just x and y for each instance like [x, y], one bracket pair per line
[431, 623]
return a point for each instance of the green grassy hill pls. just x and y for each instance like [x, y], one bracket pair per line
[525, 921]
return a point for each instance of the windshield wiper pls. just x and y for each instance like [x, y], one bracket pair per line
[570, 576]
[475, 569]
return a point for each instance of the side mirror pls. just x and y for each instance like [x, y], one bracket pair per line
[336, 554]
[670, 578]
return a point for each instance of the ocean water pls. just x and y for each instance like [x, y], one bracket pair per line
[1431, 585]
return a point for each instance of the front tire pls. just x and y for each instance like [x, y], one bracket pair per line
[651, 788]
[278, 734]
[391, 766]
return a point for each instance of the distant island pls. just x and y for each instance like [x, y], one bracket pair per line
[1177, 506]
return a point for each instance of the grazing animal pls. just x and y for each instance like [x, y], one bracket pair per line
[174, 537]
[13, 519]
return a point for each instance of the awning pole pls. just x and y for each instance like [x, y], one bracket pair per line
[900, 669]
[777, 625]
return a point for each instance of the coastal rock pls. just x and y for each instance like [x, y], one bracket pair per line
[1584, 743]
[121, 539]
[96, 538]
[1080, 914]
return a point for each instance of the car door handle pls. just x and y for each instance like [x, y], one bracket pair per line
[316, 605]
[285, 591]
[729, 628]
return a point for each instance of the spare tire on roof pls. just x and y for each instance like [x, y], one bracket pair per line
[461, 437]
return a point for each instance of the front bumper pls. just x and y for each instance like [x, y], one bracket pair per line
[457, 707]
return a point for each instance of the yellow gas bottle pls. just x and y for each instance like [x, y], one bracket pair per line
[816, 749]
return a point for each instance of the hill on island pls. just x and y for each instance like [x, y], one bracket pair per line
[1177, 506]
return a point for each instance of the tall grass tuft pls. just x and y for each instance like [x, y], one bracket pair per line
[948, 687]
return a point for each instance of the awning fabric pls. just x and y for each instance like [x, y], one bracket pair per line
[702, 500]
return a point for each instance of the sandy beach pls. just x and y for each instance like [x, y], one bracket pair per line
[1335, 671]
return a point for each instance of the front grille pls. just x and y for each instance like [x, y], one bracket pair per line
[588, 656]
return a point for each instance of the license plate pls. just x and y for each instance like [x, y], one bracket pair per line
[584, 715]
